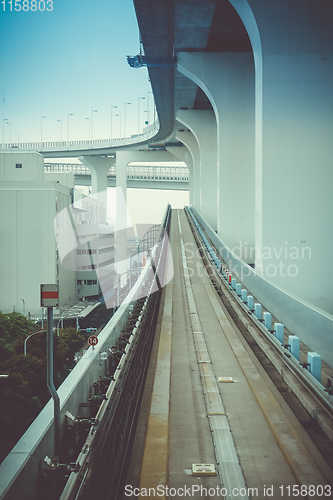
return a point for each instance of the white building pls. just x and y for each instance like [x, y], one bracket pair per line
[29, 202]
[95, 249]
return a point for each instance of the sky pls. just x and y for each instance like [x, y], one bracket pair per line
[66, 62]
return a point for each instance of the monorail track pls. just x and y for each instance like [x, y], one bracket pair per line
[243, 426]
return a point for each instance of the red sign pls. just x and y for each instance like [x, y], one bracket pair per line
[92, 340]
[49, 296]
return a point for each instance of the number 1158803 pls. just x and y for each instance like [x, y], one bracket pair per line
[27, 5]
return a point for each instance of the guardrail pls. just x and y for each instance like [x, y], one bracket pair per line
[313, 326]
[148, 133]
[147, 173]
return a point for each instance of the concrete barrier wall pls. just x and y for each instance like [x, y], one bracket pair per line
[313, 326]
[19, 471]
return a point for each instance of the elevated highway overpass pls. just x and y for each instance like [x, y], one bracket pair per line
[247, 105]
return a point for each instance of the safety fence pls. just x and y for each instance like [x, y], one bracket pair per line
[148, 173]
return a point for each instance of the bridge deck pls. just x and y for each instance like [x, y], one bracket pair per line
[178, 425]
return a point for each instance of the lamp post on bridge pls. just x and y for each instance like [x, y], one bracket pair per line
[112, 107]
[41, 128]
[139, 114]
[10, 133]
[3, 130]
[60, 129]
[119, 126]
[125, 117]
[148, 112]
[92, 111]
[88, 126]
[68, 115]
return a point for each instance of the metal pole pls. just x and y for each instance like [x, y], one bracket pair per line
[50, 383]
[3, 130]
[111, 119]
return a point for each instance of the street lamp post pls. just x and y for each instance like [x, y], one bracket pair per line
[62, 322]
[119, 126]
[148, 114]
[139, 114]
[92, 111]
[88, 126]
[60, 129]
[3, 130]
[41, 128]
[68, 115]
[23, 307]
[125, 117]
[115, 107]
[28, 337]
[10, 133]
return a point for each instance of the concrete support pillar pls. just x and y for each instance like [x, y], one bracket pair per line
[123, 158]
[228, 81]
[99, 167]
[184, 154]
[202, 124]
[293, 51]
[188, 139]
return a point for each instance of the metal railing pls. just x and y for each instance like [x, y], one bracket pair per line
[147, 134]
[145, 173]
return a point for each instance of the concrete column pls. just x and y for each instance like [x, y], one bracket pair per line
[188, 139]
[228, 81]
[123, 158]
[293, 51]
[184, 154]
[99, 167]
[202, 124]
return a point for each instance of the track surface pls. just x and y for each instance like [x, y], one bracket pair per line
[174, 431]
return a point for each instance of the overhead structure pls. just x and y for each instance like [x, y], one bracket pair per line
[250, 97]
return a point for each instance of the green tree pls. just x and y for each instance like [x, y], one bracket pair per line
[24, 393]
[14, 325]
[19, 407]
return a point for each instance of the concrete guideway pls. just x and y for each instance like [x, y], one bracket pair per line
[273, 449]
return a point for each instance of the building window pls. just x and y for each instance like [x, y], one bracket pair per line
[89, 282]
[81, 282]
[18, 165]
[94, 282]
